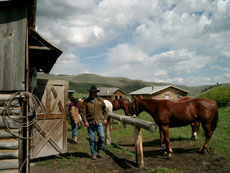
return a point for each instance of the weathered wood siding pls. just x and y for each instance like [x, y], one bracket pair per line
[12, 47]
[9, 144]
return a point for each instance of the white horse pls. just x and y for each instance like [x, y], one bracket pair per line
[109, 106]
[109, 109]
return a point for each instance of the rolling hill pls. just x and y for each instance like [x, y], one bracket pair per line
[80, 83]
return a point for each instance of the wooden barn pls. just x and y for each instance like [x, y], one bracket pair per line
[111, 93]
[169, 92]
[31, 125]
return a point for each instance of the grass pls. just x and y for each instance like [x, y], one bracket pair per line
[219, 143]
[161, 170]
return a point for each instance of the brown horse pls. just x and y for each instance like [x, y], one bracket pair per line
[169, 114]
[121, 103]
[195, 125]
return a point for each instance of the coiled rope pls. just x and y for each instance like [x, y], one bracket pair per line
[25, 121]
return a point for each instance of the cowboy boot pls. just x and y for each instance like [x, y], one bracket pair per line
[75, 139]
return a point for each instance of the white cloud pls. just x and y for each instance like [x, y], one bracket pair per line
[161, 40]
[125, 54]
[227, 69]
[127, 60]
[169, 80]
[180, 61]
[201, 80]
[68, 64]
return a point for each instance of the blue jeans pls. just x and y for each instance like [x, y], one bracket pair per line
[92, 141]
[74, 129]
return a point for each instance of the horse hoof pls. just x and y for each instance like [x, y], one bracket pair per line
[169, 157]
[204, 151]
[165, 153]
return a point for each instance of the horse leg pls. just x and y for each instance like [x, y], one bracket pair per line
[208, 134]
[161, 137]
[165, 130]
[195, 127]
[193, 131]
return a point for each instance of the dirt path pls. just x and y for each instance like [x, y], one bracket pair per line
[186, 158]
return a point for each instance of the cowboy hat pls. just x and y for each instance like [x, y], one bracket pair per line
[93, 88]
[75, 100]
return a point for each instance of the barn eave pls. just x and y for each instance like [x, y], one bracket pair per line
[42, 53]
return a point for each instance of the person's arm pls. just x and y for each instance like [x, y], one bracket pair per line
[83, 114]
[105, 113]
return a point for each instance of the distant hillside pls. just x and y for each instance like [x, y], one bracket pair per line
[80, 83]
[219, 93]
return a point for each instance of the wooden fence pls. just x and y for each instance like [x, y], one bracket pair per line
[138, 125]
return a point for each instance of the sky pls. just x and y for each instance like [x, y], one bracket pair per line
[182, 42]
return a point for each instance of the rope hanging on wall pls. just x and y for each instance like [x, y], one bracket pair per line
[17, 100]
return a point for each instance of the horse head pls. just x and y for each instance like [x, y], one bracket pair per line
[135, 108]
[125, 104]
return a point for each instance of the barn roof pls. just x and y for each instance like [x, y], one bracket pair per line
[108, 91]
[42, 53]
[154, 89]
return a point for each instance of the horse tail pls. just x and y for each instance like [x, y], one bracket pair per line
[214, 121]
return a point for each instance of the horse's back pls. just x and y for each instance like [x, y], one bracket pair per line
[109, 105]
[205, 103]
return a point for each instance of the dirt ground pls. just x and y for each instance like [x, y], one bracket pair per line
[186, 158]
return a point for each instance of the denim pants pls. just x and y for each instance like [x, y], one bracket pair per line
[74, 129]
[92, 141]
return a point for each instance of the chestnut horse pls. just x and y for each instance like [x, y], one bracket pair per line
[169, 114]
[122, 103]
[195, 125]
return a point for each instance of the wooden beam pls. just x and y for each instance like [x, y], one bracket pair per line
[8, 164]
[14, 111]
[9, 144]
[8, 122]
[6, 135]
[137, 122]
[40, 48]
[8, 154]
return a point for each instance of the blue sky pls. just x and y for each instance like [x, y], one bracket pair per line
[175, 41]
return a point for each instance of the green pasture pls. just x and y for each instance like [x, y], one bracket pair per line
[219, 143]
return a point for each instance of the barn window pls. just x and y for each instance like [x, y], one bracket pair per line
[166, 97]
[178, 96]
[116, 97]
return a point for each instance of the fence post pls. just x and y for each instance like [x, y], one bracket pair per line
[138, 147]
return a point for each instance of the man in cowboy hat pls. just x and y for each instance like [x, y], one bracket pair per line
[94, 114]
